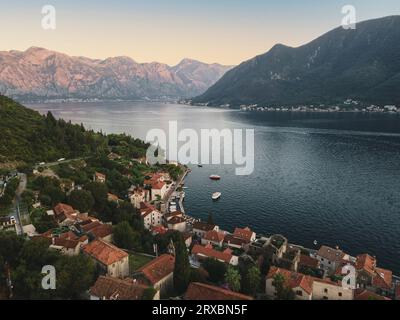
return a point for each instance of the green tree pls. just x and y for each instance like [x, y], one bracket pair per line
[149, 293]
[233, 278]
[182, 269]
[215, 269]
[283, 292]
[125, 237]
[74, 276]
[251, 281]
[81, 200]
[99, 192]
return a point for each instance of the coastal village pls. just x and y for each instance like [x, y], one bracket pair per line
[279, 269]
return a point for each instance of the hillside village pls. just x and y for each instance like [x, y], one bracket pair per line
[127, 218]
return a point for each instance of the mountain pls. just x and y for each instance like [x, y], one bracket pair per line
[28, 137]
[361, 64]
[38, 74]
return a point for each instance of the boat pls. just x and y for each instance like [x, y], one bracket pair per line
[200, 165]
[215, 177]
[216, 195]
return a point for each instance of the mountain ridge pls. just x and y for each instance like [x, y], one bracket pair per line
[361, 64]
[39, 74]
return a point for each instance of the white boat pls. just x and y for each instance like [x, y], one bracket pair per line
[215, 177]
[216, 195]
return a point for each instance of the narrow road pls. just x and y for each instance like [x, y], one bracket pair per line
[21, 188]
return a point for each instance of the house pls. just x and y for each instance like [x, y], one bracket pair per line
[158, 230]
[171, 215]
[245, 234]
[325, 289]
[201, 228]
[213, 237]
[67, 185]
[7, 222]
[188, 238]
[201, 291]
[330, 258]
[237, 243]
[139, 195]
[62, 210]
[99, 230]
[200, 253]
[99, 177]
[110, 259]
[109, 288]
[177, 223]
[150, 215]
[113, 198]
[159, 273]
[369, 276]
[155, 181]
[301, 284]
[66, 246]
[363, 294]
[113, 156]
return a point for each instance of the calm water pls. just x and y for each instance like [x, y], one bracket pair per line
[334, 178]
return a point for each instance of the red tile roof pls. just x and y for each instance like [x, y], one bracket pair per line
[383, 278]
[331, 254]
[362, 294]
[308, 261]
[104, 252]
[244, 234]
[208, 251]
[102, 231]
[231, 239]
[89, 226]
[69, 244]
[366, 262]
[159, 268]
[201, 291]
[203, 226]
[116, 289]
[176, 220]
[214, 236]
[292, 279]
[63, 208]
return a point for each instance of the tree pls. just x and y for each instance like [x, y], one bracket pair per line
[216, 270]
[10, 247]
[233, 279]
[99, 192]
[55, 193]
[149, 293]
[182, 269]
[81, 200]
[125, 237]
[74, 276]
[251, 281]
[283, 292]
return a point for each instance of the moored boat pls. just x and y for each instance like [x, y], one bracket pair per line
[215, 177]
[216, 195]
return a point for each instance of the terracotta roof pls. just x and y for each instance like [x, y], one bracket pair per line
[244, 234]
[203, 226]
[69, 244]
[176, 220]
[231, 239]
[362, 294]
[63, 208]
[214, 236]
[116, 289]
[159, 268]
[100, 175]
[102, 231]
[112, 197]
[292, 279]
[201, 291]
[308, 261]
[173, 214]
[89, 226]
[104, 252]
[159, 229]
[330, 253]
[366, 262]
[383, 278]
[208, 251]
[157, 185]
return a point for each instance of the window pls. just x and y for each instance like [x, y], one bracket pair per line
[299, 293]
[325, 290]
[325, 298]
[340, 294]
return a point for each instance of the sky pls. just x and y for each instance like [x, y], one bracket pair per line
[221, 31]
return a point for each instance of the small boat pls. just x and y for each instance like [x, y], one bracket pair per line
[216, 195]
[215, 177]
[315, 242]
[200, 165]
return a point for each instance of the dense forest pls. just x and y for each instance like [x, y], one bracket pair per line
[28, 137]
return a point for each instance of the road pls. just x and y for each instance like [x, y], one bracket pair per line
[52, 164]
[20, 190]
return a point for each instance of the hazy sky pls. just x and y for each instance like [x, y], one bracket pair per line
[224, 31]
